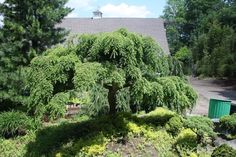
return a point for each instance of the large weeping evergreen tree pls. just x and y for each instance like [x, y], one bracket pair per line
[122, 67]
[29, 28]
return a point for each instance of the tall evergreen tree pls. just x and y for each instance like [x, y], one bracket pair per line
[29, 27]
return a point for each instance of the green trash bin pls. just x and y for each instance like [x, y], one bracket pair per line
[219, 108]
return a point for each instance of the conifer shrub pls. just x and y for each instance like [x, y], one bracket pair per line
[177, 94]
[202, 126]
[174, 125]
[229, 123]
[120, 70]
[187, 139]
[160, 116]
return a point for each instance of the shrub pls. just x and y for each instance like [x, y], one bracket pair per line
[224, 151]
[174, 125]
[229, 123]
[14, 123]
[203, 126]
[161, 140]
[187, 139]
[134, 128]
[112, 154]
[193, 155]
[159, 116]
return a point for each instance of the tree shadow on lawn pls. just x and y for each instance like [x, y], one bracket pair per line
[50, 140]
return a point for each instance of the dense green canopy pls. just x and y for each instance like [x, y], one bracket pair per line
[208, 29]
[29, 28]
[121, 69]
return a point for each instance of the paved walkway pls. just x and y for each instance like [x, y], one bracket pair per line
[212, 88]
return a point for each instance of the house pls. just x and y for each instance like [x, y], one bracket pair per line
[153, 27]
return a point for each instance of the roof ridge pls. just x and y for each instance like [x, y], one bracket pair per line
[114, 18]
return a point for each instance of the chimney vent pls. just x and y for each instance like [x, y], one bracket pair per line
[97, 14]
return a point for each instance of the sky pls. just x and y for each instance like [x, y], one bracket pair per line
[117, 8]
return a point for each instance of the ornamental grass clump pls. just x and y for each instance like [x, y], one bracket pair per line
[14, 123]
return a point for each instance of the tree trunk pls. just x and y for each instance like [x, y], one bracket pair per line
[112, 100]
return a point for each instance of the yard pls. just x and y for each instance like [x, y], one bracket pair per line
[117, 87]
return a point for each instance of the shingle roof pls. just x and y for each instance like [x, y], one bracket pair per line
[153, 27]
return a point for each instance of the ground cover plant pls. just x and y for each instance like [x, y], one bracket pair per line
[123, 134]
[203, 127]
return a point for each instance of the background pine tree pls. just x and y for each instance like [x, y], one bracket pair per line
[29, 28]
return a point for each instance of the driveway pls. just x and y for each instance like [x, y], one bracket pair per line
[212, 88]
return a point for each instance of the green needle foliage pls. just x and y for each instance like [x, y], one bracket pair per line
[29, 28]
[31, 25]
[119, 69]
[229, 123]
[49, 75]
